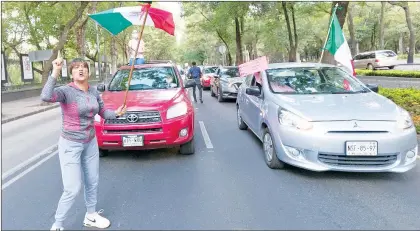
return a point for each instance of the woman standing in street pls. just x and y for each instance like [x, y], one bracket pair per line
[77, 147]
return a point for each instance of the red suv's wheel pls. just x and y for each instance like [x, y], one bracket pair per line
[187, 148]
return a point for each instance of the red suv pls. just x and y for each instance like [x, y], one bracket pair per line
[159, 112]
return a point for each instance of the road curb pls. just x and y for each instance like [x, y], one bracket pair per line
[30, 113]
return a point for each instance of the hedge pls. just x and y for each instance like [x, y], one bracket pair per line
[407, 98]
[388, 73]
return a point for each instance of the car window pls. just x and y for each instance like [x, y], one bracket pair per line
[310, 80]
[371, 56]
[145, 79]
[210, 70]
[231, 72]
[385, 54]
[248, 80]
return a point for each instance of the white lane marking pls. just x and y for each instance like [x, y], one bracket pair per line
[28, 162]
[205, 135]
[22, 174]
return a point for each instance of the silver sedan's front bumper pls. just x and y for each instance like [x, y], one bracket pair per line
[229, 92]
[317, 151]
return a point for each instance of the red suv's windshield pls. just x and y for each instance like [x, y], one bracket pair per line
[145, 79]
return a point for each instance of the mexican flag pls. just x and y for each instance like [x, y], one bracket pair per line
[118, 19]
[338, 46]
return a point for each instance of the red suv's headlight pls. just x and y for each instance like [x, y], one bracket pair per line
[177, 110]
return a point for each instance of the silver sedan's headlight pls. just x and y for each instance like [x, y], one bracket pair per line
[404, 120]
[287, 118]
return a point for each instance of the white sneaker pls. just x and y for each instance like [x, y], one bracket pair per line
[56, 228]
[96, 220]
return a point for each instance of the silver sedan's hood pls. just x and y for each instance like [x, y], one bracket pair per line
[236, 80]
[360, 106]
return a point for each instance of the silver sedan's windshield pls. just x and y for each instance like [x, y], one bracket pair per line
[311, 80]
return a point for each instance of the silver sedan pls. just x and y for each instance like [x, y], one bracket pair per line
[318, 117]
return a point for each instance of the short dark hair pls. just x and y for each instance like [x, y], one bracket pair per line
[77, 61]
[193, 63]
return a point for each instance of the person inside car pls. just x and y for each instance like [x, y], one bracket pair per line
[131, 49]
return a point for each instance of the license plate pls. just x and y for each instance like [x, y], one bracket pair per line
[361, 148]
[133, 140]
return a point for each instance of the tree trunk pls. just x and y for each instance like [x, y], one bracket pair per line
[382, 27]
[341, 15]
[412, 42]
[113, 55]
[62, 40]
[80, 38]
[292, 51]
[227, 48]
[373, 38]
[350, 25]
[297, 56]
[81, 33]
[255, 49]
[239, 54]
[401, 44]
[357, 48]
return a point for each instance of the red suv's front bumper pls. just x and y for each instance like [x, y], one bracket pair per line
[165, 134]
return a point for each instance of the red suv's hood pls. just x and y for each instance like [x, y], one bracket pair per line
[140, 100]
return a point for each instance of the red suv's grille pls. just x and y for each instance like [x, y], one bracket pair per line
[137, 118]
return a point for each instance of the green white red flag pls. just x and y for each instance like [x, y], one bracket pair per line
[337, 45]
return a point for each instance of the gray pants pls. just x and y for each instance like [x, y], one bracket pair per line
[77, 160]
[200, 89]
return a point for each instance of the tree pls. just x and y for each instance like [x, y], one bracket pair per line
[341, 15]
[412, 43]
[293, 44]
[353, 41]
[63, 38]
[381, 26]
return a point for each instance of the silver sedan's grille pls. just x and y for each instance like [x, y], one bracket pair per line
[237, 85]
[358, 161]
[141, 117]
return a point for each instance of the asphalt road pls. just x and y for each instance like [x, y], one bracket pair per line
[224, 187]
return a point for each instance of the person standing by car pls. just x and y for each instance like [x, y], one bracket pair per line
[77, 146]
[196, 74]
[131, 49]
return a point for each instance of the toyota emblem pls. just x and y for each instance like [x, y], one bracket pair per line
[132, 118]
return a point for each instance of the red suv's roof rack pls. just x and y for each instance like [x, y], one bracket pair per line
[158, 61]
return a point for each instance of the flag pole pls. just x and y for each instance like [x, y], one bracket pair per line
[328, 34]
[137, 49]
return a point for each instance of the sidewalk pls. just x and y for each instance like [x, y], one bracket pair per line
[22, 108]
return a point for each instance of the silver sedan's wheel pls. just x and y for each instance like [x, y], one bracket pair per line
[241, 124]
[268, 147]
[270, 154]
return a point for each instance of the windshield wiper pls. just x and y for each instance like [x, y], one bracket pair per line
[344, 92]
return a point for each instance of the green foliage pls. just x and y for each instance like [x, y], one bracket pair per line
[389, 73]
[407, 98]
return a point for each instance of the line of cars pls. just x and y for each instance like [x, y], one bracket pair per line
[319, 117]
[313, 116]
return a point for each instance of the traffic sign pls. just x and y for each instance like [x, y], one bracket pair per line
[222, 49]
